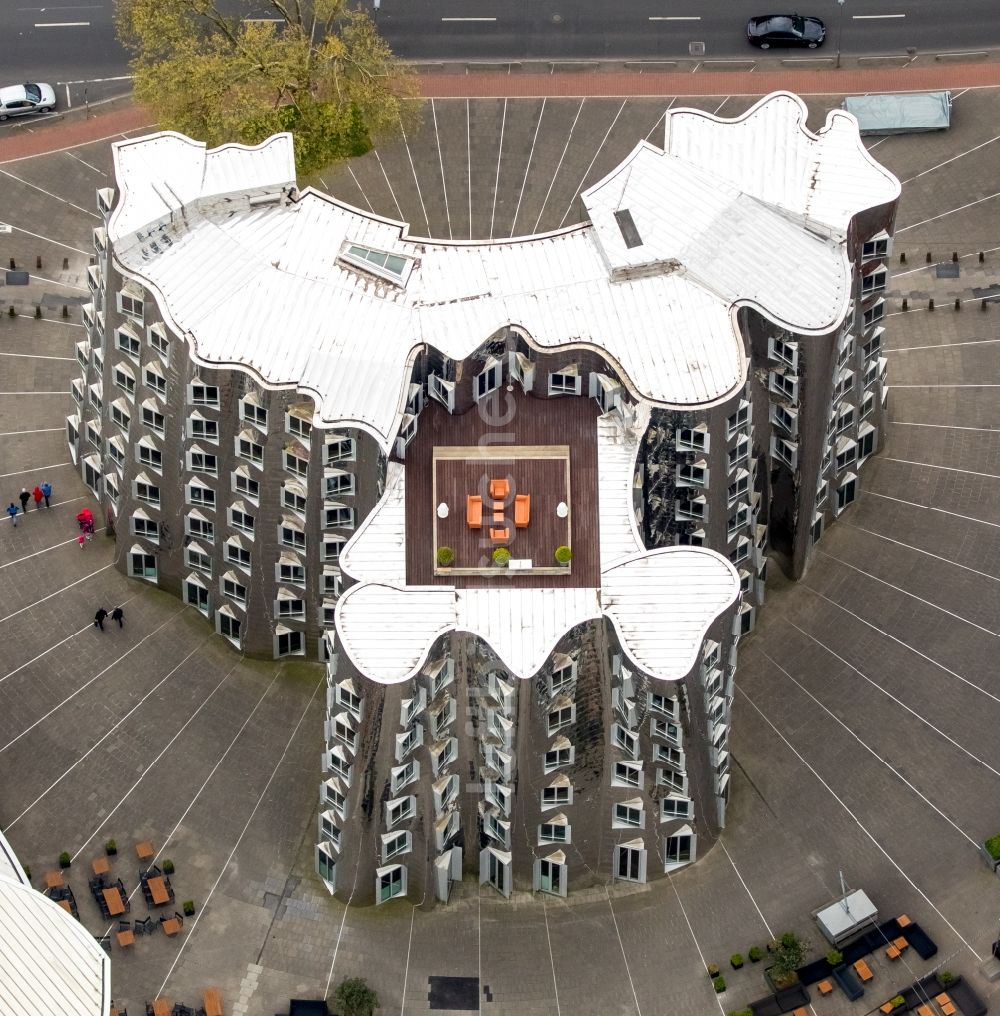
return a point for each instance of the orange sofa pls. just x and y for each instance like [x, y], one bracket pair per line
[522, 510]
[474, 511]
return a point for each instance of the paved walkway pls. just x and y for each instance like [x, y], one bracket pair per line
[68, 131]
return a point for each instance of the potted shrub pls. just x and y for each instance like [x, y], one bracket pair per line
[65, 860]
[713, 971]
[736, 961]
[563, 555]
[945, 977]
[755, 954]
[168, 867]
[353, 997]
[788, 953]
[719, 983]
[445, 557]
[111, 848]
[740, 1012]
[501, 557]
[188, 906]
[834, 957]
[897, 1001]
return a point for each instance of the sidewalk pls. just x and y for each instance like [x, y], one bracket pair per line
[113, 123]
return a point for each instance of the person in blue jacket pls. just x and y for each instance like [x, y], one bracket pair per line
[47, 492]
[12, 512]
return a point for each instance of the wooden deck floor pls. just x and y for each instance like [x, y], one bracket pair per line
[538, 471]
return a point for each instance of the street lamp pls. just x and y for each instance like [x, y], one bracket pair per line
[840, 27]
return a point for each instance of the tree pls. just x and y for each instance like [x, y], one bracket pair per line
[321, 71]
[788, 954]
[355, 998]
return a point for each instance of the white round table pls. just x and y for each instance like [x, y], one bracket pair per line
[442, 510]
[562, 509]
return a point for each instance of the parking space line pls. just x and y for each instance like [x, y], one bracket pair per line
[864, 744]
[951, 211]
[921, 550]
[621, 944]
[36, 469]
[950, 469]
[395, 201]
[767, 927]
[905, 592]
[62, 24]
[552, 959]
[413, 170]
[940, 345]
[579, 186]
[888, 694]
[934, 508]
[361, 190]
[694, 938]
[444, 182]
[496, 186]
[945, 426]
[947, 162]
[49, 194]
[527, 169]
[468, 158]
[555, 175]
[159, 684]
[57, 592]
[48, 239]
[878, 846]
[83, 162]
[18, 433]
[243, 832]
[35, 356]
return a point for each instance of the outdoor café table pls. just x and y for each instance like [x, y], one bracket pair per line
[162, 1007]
[171, 926]
[100, 866]
[53, 879]
[158, 890]
[65, 905]
[113, 898]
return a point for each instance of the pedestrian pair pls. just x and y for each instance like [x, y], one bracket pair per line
[116, 615]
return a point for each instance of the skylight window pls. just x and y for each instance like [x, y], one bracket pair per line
[628, 228]
[389, 266]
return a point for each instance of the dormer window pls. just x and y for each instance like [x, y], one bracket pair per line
[391, 267]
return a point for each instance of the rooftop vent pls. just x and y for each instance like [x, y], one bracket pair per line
[627, 225]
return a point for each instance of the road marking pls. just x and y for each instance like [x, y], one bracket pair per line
[444, 183]
[96, 81]
[496, 186]
[579, 186]
[943, 426]
[941, 345]
[62, 24]
[37, 469]
[932, 508]
[552, 959]
[552, 182]
[678, 18]
[468, 19]
[624, 953]
[760, 912]
[960, 208]
[875, 17]
[15, 433]
[270, 21]
[527, 168]
[49, 194]
[905, 462]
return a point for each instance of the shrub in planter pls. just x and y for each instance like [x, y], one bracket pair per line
[897, 1001]
[788, 953]
[65, 860]
[501, 557]
[445, 557]
[755, 953]
[740, 1012]
[168, 867]
[564, 555]
[188, 906]
[834, 957]
[713, 970]
[11, 312]
[992, 846]
[719, 983]
[736, 961]
[111, 848]
[945, 977]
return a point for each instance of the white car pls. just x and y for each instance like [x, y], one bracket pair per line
[26, 98]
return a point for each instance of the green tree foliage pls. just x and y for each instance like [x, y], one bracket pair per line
[354, 998]
[319, 70]
[788, 955]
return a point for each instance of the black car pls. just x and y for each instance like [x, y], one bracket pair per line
[785, 30]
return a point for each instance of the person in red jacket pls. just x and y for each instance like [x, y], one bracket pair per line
[38, 496]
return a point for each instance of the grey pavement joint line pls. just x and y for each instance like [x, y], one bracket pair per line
[81, 144]
[246, 826]
[694, 938]
[932, 465]
[49, 194]
[45, 430]
[889, 695]
[406, 968]
[28, 557]
[413, 170]
[920, 550]
[37, 469]
[621, 945]
[590, 165]
[864, 744]
[527, 170]
[760, 912]
[933, 265]
[57, 282]
[933, 508]
[878, 846]
[555, 174]
[83, 162]
[37, 356]
[468, 158]
[58, 592]
[906, 592]
[83, 687]
[395, 200]
[942, 345]
[55, 783]
[947, 386]
[948, 162]
[51, 393]
[105, 817]
[552, 959]
[357, 183]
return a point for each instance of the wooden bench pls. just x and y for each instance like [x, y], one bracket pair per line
[891, 952]
[474, 511]
[903, 921]
[863, 971]
[522, 510]
[212, 1002]
[925, 1010]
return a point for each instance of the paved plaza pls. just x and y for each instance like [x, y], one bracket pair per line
[867, 702]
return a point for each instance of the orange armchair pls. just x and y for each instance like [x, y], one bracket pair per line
[499, 489]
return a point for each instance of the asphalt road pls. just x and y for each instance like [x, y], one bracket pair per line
[75, 41]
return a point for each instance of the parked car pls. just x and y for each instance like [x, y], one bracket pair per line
[26, 98]
[785, 30]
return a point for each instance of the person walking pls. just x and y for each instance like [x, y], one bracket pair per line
[12, 512]
[81, 540]
[99, 618]
[118, 615]
[47, 492]
[37, 495]
[25, 498]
